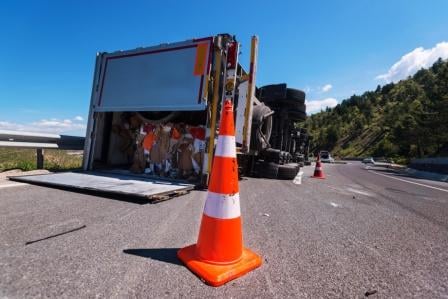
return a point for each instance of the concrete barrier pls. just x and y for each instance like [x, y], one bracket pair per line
[437, 165]
[434, 176]
[352, 158]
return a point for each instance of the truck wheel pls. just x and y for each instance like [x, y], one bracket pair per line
[261, 127]
[299, 107]
[272, 92]
[269, 170]
[291, 105]
[295, 94]
[288, 171]
[297, 115]
[272, 155]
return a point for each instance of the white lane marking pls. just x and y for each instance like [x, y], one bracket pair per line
[334, 204]
[359, 192]
[419, 184]
[298, 179]
[12, 185]
[339, 190]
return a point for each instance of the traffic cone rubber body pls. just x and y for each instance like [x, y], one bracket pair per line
[318, 171]
[219, 255]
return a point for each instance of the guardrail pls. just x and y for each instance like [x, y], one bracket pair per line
[352, 158]
[40, 141]
[438, 165]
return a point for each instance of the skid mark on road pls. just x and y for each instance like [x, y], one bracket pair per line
[270, 286]
[358, 242]
[406, 181]
[349, 190]
[405, 206]
[404, 192]
[359, 191]
[340, 190]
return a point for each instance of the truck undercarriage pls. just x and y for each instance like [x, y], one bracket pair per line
[281, 147]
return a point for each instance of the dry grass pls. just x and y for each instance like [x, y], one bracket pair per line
[25, 159]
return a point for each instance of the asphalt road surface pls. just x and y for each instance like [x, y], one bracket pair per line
[360, 232]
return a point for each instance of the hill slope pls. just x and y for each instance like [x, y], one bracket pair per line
[402, 120]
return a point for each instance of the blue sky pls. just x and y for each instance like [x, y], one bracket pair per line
[48, 48]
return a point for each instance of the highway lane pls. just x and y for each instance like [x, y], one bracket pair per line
[427, 199]
[407, 178]
[354, 233]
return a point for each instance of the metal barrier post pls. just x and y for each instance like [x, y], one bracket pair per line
[40, 158]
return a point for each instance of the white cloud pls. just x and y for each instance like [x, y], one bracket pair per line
[53, 125]
[327, 87]
[78, 118]
[318, 105]
[413, 61]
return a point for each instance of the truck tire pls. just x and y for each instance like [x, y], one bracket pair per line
[297, 115]
[272, 155]
[295, 94]
[299, 107]
[269, 170]
[291, 105]
[272, 92]
[287, 157]
[261, 127]
[288, 171]
[295, 99]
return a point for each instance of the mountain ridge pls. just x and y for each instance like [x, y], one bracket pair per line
[403, 120]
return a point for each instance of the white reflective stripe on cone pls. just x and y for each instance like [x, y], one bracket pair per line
[318, 168]
[226, 146]
[222, 206]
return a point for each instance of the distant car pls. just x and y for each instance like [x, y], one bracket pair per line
[368, 161]
[326, 157]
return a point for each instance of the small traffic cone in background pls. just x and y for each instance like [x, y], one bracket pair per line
[318, 171]
[219, 255]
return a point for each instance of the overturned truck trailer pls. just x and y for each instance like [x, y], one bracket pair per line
[154, 119]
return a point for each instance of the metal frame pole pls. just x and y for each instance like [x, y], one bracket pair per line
[40, 158]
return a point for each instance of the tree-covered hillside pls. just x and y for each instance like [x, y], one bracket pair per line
[401, 120]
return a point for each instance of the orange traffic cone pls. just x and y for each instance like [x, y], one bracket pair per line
[219, 256]
[318, 171]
